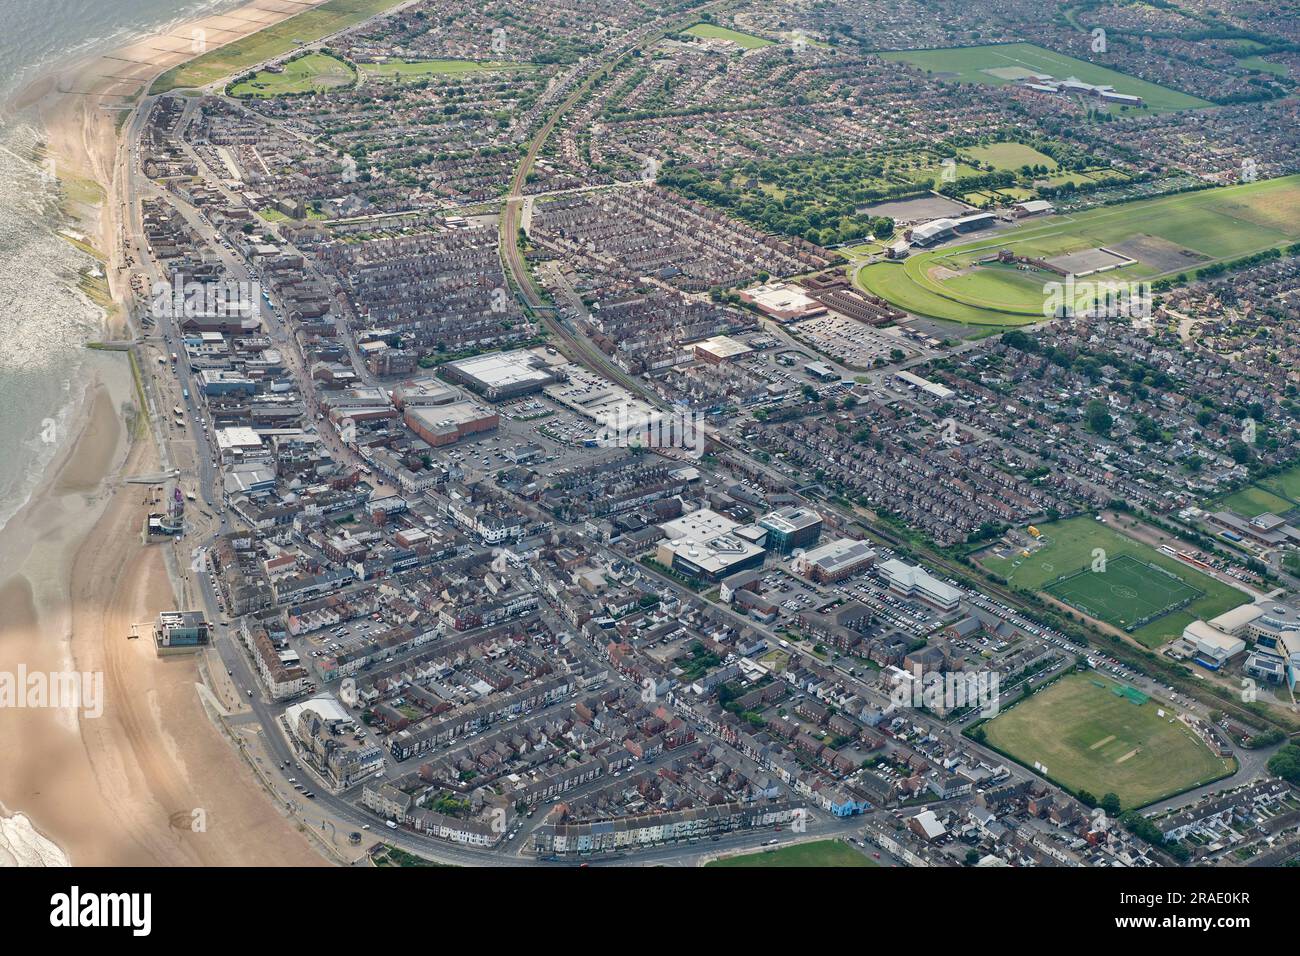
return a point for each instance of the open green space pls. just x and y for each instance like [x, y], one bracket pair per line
[1068, 545]
[1285, 484]
[275, 40]
[1262, 65]
[1083, 734]
[1009, 156]
[312, 73]
[416, 69]
[1168, 235]
[817, 853]
[1123, 591]
[1278, 494]
[1253, 500]
[711, 31]
[1011, 61]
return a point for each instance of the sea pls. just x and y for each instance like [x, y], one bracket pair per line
[45, 319]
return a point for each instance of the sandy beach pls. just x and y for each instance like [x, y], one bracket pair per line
[125, 787]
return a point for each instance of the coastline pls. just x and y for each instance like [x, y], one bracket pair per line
[121, 788]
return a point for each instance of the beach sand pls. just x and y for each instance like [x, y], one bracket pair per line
[123, 788]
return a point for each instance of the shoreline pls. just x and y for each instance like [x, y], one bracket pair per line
[74, 575]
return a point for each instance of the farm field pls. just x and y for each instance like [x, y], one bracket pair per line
[1087, 736]
[832, 853]
[1069, 547]
[307, 74]
[415, 69]
[306, 27]
[1013, 61]
[711, 31]
[1164, 236]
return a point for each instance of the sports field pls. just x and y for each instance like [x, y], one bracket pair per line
[1253, 500]
[1285, 484]
[1164, 236]
[1083, 734]
[712, 31]
[831, 853]
[307, 74]
[1123, 591]
[1278, 494]
[1069, 547]
[1002, 63]
[276, 40]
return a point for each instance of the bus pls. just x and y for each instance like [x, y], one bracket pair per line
[185, 394]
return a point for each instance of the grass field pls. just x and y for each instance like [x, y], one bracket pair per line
[712, 31]
[416, 69]
[1069, 547]
[1184, 231]
[1286, 484]
[1254, 500]
[1087, 737]
[830, 853]
[1278, 494]
[973, 65]
[276, 40]
[1125, 592]
[307, 74]
[1008, 156]
[1262, 65]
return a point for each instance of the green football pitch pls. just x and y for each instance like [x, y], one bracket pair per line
[1070, 544]
[1123, 591]
[1087, 733]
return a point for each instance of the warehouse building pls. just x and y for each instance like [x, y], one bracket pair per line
[447, 424]
[499, 376]
[783, 302]
[1211, 647]
[719, 349]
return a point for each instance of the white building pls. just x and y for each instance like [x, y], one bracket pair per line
[914, 581]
